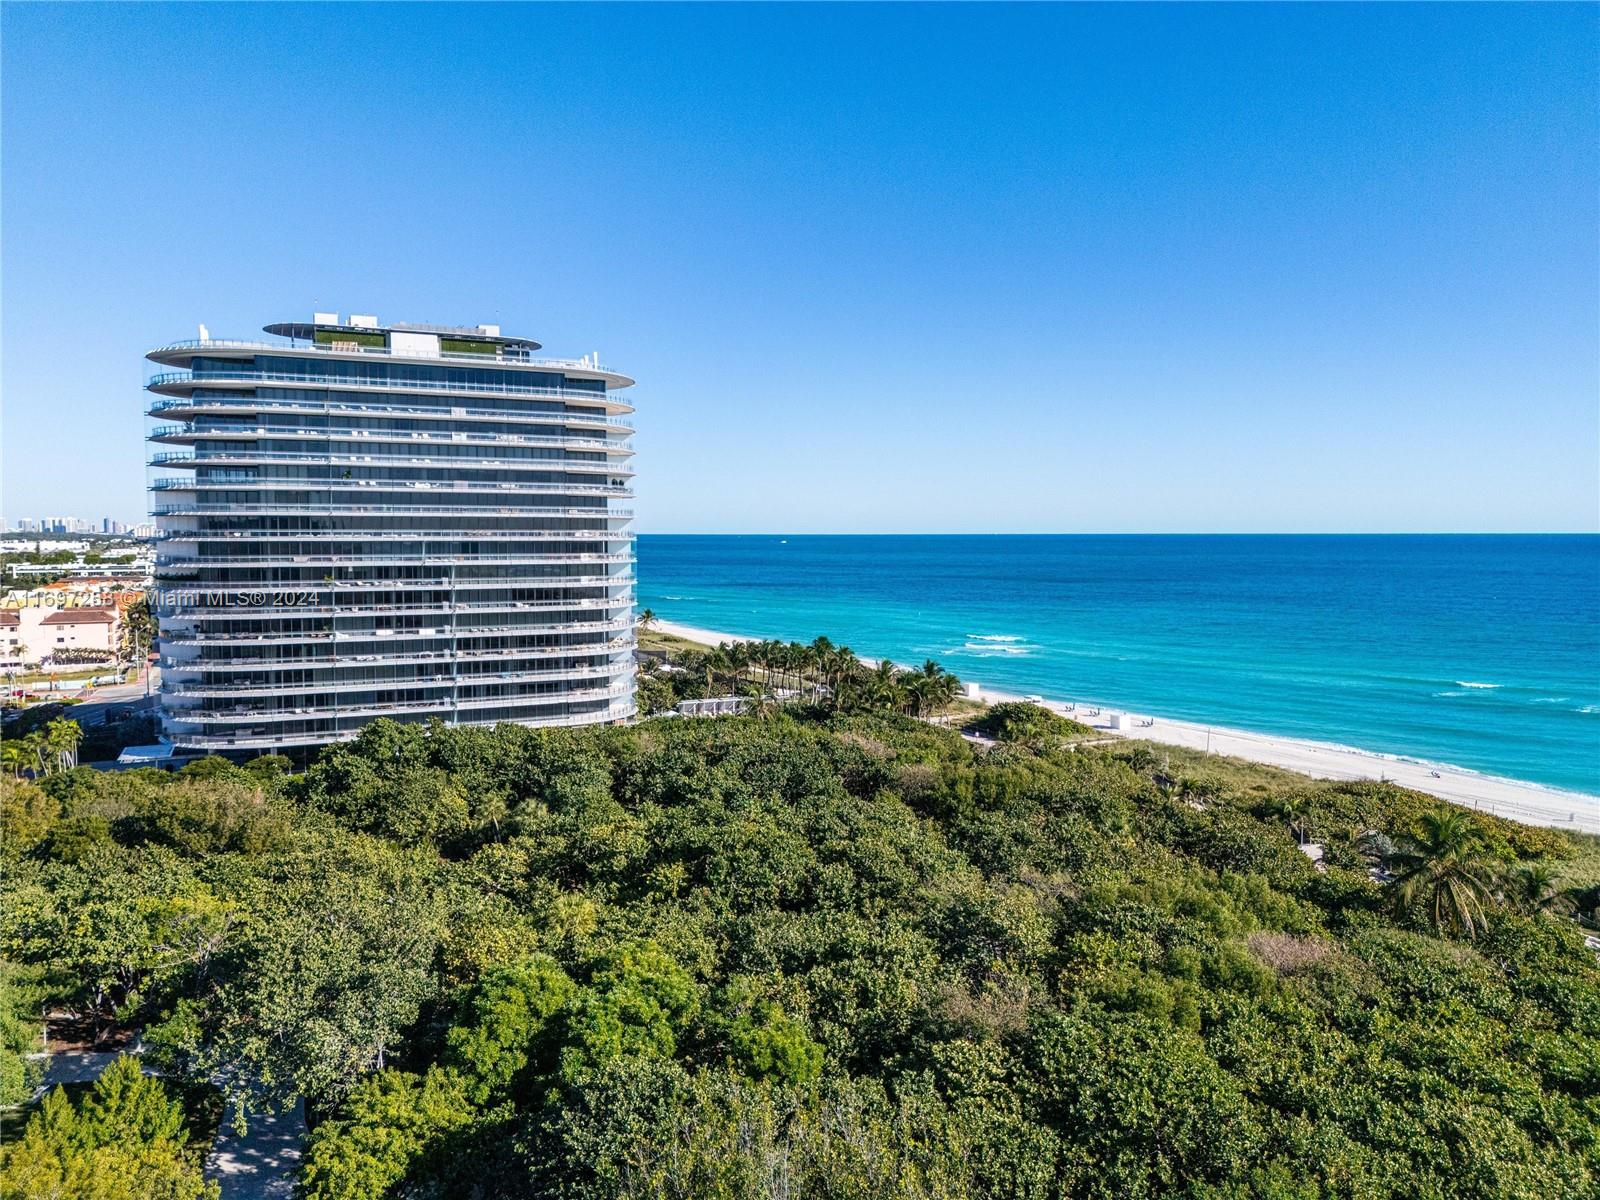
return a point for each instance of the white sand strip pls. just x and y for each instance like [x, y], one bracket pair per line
[1530, 803]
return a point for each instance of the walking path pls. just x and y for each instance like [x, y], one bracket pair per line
[75, 1066]
[262, 1163]
[259, 1164]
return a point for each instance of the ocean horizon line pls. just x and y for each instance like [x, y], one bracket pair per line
[1388, 533]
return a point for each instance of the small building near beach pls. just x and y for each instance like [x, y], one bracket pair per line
[714, 706]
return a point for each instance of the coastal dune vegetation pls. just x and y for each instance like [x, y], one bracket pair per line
[774, 672]
[826, 949]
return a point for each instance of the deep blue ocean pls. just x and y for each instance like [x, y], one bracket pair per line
[1479, 651]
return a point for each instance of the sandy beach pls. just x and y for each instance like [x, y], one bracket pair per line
[1529, 803]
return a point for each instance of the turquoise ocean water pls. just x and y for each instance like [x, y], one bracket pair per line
[1479, 651]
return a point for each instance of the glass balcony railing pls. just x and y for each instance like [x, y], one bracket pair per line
[243, 481]
[277, 737]
[435, 412]
[337, 657]
[175, 379]
[228, 608]
[321, 509]
[365, 560]
[378, 637]
[235, 714]
[506, 357]
[188, 430]
[352, 593]
[453, 462]
[185, 691]
[230, 537]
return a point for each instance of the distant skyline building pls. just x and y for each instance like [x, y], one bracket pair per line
[106, 525]
[362, 520]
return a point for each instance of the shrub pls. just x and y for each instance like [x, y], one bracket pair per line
[1018, 721]
[127, 1134]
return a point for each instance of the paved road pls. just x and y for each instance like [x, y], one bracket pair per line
[93, 702]
[261, 1164]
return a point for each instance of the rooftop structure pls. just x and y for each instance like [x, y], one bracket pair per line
[387, 520]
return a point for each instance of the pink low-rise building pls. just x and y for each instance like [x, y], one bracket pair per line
[31, 634]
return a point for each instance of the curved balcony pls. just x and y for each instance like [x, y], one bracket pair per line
[398, 560]
[187, 458]
[357, 590]
[256, 483]
[453, 416]
[508, 358]
[452, 680]
[198, 509]
[338, 638]
[229, 611]
[170, 383]
[201, 742]
[243, 713]
[260, 715]
[340, 657]
[186, 432]
[267, 537]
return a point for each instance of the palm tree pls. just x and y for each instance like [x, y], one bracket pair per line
[1533, 888]
[846, 670]
[940, 686]
[822, 655]
[884, 689]
[1293, 812]
[13, 756]
[62, 738]
[1444, 867]
[710, 661]
[740, 656]
[647, 618]
[796, 658]
[34, 745]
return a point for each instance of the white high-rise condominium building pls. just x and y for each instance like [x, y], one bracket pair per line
[408, 521]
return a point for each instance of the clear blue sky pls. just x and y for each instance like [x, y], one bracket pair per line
[876, 268]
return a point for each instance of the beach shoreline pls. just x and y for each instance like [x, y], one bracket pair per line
[1516, 800]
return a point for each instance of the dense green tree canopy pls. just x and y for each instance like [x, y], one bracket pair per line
[849, 955]
[126, 1140]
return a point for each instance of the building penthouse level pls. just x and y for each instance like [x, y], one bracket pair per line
[360, 520]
